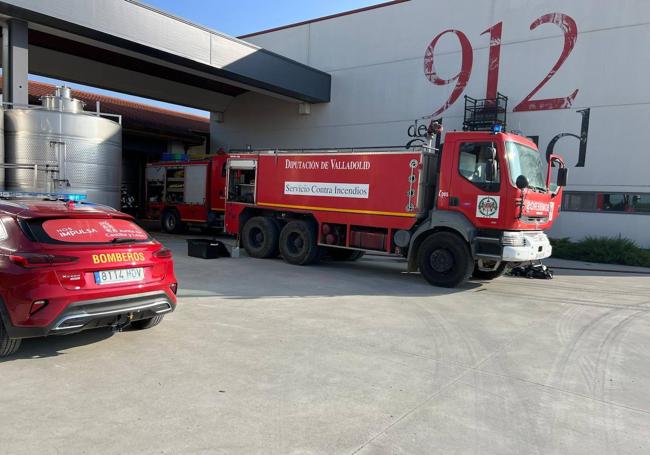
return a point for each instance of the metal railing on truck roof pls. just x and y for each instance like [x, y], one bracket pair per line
[385, 148]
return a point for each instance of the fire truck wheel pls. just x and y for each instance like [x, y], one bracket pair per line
[483, 275]
[260, 237]
[298, 243]
[171, 222]
[8, 345]
[341, 254]
[143, 324]
[445, 260]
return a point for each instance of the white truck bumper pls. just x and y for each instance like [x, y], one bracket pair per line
[536, 246]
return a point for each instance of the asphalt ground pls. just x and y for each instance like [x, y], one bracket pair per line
[346, 358]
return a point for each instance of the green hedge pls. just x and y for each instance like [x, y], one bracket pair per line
[607, 250]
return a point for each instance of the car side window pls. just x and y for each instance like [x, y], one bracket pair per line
[474, 162]
[3, 232]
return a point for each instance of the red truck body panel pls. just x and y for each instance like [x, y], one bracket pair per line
[366, 186]
[374, 188]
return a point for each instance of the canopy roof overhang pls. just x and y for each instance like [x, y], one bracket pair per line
[130, 47]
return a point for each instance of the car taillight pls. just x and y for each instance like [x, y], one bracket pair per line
[31, 260]
[163, 253]
[174, 287]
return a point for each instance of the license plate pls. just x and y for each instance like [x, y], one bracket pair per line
[119, 276]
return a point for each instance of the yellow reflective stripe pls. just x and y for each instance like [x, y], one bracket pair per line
[328, 209]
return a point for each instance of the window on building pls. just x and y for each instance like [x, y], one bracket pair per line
[586, 201]
[640, 203]
[612, 202]
[580, 202]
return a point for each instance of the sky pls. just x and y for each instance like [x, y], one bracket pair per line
[235, 17]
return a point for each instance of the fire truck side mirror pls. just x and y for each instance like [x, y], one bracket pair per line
[434, 128]
[522, 182]
[562, 175]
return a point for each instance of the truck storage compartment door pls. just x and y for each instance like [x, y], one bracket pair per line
[195, 184]
[242, 176]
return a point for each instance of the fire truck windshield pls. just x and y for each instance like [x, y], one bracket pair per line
[525, 161]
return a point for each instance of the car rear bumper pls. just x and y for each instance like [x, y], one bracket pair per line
[105, 312]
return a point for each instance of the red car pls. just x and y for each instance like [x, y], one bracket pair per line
[67, 267]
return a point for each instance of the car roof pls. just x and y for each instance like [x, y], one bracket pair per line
[35, 208]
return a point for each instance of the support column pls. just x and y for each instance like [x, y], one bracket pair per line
[216, 119]
[15, 60]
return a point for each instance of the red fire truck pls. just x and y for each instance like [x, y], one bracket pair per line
[186, 193]
[470, 206]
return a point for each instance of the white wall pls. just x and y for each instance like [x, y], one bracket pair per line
[379, 88]
[577, 225]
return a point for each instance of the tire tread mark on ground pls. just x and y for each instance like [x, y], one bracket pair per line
[451, 383]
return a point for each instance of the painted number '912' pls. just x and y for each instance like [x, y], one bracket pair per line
[461, 78]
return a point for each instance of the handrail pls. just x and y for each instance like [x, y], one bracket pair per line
[96, 113]
[359, 150]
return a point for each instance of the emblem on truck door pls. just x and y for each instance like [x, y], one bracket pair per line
[487, 207]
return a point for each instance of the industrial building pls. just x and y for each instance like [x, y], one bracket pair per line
[571, 74]
[64, 145]
[374, 76]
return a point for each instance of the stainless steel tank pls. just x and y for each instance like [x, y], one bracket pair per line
[75, 151]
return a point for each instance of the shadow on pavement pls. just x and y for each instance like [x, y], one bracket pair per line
[53, 346]
[247, 278]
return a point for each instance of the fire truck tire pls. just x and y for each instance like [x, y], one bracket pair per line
[143, 324]
[171, 222]
[341, 254]
[298, 243]
[260, 237]
[492, 274]
[445, 260]
[8, 345]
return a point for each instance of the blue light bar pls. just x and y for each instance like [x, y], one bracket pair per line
[497, 128]
[74, 197]
[32, 194]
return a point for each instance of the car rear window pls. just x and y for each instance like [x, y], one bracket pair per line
[91, 230]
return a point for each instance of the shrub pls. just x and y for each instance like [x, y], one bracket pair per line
[608, 250]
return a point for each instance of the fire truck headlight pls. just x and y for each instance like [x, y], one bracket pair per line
[513, 238]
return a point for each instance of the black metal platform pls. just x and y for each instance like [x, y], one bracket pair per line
[484, 114]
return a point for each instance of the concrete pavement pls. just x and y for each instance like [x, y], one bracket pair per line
[263, 357]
